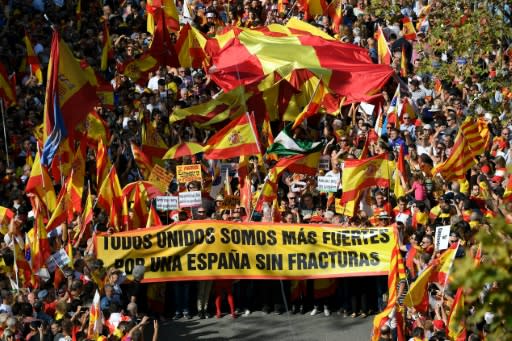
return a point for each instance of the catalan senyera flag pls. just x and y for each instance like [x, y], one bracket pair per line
[106, 52]
[143, 163]
[40, 184]
[32, 60]
[403, 64]
[190, 47]
[69, 98]
[153, 218]
[312, 107]
[103, 164]
[456, 320]
[396, 273]
[237, 138]
[335, 12]
[110, 198]
[469, 143]
[383, 52]
[7, 90]
[408, 29]
[360, 174]
[170, 12]
[312, 8]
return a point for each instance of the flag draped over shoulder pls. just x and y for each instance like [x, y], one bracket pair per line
[469, 143]
[69, 98]
[238, 138]
[285, 144]
[361, 174]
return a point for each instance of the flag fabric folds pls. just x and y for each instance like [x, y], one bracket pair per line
[312, 8]
[360, 174]
[190, 47]
[32, 60]
[110, 198]
[285, 144]
[456, 319]
[107, 52]
[143, 162]
[7, 90]
[469, 143]
[40, 184]
[237, 138]
[69, 98]
[408, 29]
[383, 51]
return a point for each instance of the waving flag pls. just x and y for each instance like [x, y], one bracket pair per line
[403, 64]
[95, 318]
[237, 138]
[40, 184]
[285, 144]
[69, 98]
[170, 13]
[336, 14]
[32, 60]
[153, 218]
[143, 163]
[456, 320]
[106, 52]
[408, 29]
[383, 52]
[7, 88]
[110, 198]
[190, 47]
[312, 8]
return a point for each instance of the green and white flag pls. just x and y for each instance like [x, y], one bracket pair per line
[285, 145]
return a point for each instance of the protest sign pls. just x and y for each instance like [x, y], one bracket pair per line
[442, 237]
[58, 259]
[188, 173]
[160, 177]
[230, 202]
[190, 199]
[325, 162]
[203, 250]
[166, 203]
[327, 184]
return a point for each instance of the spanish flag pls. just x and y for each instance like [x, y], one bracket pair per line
[190, 47]
[408, 29]
[236, 139]
[336, 14]
[95, 318]
[269, 190]
[153, 217]
[313, 106]
[106, 52]
[63, 213]
[32, 60]
[403, 64]
[383, 52]
[110, 198]
[306, 164]
[360, 174]
[456, 319]
[69, 98]
[7, 89]
[76, 185]
[139, 208]
[153, 144]
[102, 163]
[143, 163]
[469, 143]
[312, 8]
[5, 219]
[170, 13]
[40, 184]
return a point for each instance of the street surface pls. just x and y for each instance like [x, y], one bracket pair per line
[259, 326]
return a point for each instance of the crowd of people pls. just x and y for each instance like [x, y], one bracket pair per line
[57, 304]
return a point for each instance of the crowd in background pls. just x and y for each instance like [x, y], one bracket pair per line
[57, 308]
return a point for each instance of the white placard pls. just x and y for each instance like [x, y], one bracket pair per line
[166, 203]
[327, 184]
[442, 237]
[366, 108]
[190, 199]
[58, 259]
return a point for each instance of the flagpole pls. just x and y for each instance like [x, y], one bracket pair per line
[5, 132]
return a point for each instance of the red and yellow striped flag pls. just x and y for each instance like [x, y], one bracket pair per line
[361, 174]
[139, 216]
[95, 318]
[170, 13]
[32, 60]
[153, 217]
[313, 106]
[7, 90]
[312, 8]
[106, 52]
[403, 64]
[269, 190]
[143, 163]
[238, 138]
[383, 52]
[76, 185]
[63, 213]
[190, 47]
[456, 320]
[408, 29]
[336, 14]
[102, 163]
[469, 143]
[40, 184]
[110, 198]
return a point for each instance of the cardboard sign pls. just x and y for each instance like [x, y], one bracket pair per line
[230, 202]
[188, 173]
[190, 199]
[442, 237]
[161, 177]
[166, 203]
[327, 184]
[325, 162]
